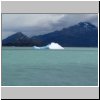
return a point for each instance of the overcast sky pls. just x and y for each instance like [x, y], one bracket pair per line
[38, 24]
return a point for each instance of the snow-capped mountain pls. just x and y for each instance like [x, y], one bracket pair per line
[83, 34]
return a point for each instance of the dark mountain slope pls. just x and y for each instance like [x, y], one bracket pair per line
[83, 34]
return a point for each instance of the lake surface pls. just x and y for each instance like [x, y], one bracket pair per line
[24, 66]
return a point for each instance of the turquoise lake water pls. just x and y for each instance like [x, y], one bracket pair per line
[23, 66]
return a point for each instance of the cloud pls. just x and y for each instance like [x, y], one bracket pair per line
[35, 24]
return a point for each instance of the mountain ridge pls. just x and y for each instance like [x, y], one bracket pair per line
[83, 34]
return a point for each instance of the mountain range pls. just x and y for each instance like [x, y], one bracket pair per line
[83, 34]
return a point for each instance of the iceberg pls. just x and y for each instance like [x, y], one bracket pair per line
[52, 45]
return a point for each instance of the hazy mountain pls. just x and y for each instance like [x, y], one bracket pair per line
[83, 34]
[18, 39]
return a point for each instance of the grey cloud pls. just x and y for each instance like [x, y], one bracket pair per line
[35, 24]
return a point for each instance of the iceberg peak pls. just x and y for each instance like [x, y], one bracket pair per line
[52, 45]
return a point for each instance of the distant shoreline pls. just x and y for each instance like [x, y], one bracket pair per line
[64, 47]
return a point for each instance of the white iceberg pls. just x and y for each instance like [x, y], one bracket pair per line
[52, 45]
